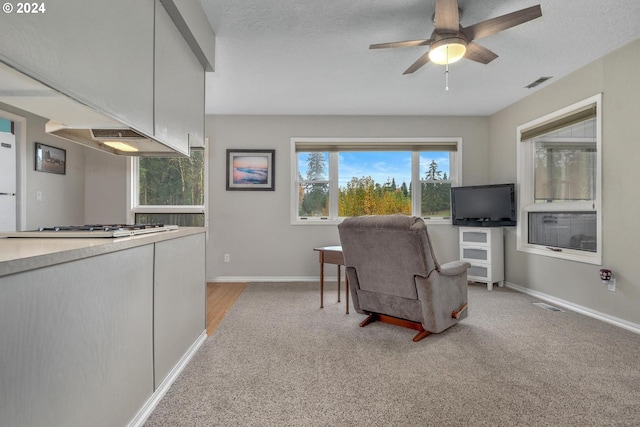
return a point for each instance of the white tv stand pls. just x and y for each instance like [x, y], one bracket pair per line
[483, 248]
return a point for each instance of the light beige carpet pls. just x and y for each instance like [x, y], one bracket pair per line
[277, 359]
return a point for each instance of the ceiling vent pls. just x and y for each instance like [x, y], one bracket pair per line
[537, 82]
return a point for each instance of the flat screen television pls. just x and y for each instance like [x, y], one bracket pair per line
[484, 205]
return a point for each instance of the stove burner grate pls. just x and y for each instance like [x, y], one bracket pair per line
[101, 227]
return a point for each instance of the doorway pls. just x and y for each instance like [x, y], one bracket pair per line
[20, 132]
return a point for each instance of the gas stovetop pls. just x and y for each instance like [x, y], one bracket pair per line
[96, 230]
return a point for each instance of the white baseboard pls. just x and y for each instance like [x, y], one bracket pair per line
[162, 389]
[233, 279]
[624, 324]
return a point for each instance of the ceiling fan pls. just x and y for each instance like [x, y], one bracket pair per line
[451, 42]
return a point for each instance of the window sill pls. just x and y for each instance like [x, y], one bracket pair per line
[168, 209]
[317, 221]
[565, 254]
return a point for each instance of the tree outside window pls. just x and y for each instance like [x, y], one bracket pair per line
[170, 185]
[372, 183]
[436, 192]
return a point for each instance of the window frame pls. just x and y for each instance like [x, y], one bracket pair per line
[526, 190]
[374, 144]
[133, 196]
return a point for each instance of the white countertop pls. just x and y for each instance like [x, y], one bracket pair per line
[22, 254]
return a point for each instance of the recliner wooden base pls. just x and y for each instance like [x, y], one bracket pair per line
[373, 317]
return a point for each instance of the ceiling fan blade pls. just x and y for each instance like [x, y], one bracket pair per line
[418, 64]
[446, 18]
[495, 25]
[479, 53]
[406, 43]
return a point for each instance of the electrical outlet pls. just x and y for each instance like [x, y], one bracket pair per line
[38, 196]
[227, 258]
[611, 286]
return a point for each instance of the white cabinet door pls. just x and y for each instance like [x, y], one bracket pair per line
[179, 87]
[178, 300]
[76, 341]
[98, 52]
[483, 249]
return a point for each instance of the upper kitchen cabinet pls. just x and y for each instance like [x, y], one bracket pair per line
[179, 86]
[121, 76]
[98, 52]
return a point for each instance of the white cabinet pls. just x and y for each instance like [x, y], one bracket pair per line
[126, 59]
[98, 333]
[179, 87]
[99, 53]
[76, 343]
[483, 248]
[178, 301]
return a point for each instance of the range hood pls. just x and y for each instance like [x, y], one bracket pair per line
[75, 121]
[115, 140]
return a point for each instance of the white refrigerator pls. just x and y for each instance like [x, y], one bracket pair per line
[7, 182]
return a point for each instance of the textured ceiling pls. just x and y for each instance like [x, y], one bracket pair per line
[312, 57]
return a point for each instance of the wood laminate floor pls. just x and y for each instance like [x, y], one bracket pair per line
[220, 298]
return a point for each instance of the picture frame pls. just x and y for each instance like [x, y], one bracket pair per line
[50, 159]
[252, 170]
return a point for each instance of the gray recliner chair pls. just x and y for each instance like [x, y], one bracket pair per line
[394, 276]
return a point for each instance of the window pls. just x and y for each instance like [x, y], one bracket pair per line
[169, 190]
[559, 176]
[337, 178]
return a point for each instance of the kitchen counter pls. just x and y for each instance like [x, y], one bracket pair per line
[95, 330]
[22, 254]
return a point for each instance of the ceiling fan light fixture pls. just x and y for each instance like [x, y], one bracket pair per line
[447, 50]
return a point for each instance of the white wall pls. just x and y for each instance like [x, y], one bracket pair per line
[105, 198]
[616, 77]
[255, 227]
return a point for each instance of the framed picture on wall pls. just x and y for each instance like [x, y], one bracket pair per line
[251, 169]
[50, 159]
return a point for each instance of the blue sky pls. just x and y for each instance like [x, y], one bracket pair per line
[381, 166]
